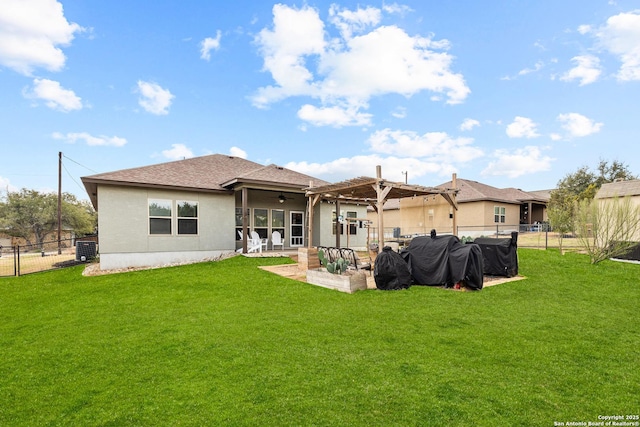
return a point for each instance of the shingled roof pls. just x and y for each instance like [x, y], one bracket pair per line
[212, 173]
[473, 191]
[619, 189]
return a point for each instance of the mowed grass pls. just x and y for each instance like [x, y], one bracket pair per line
[225, 343]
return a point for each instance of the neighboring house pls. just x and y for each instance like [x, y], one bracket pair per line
[50, 238]
[621, 189]
[481, 209]
[198, 208]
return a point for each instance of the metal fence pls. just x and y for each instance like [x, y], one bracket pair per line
[537, 236]
[26, 259]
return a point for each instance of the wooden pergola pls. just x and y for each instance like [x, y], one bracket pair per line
[374, 191]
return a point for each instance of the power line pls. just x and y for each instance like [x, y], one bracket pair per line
[79, 164]
[70, 176]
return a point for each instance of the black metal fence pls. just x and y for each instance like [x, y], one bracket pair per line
[26, 259]
[536, 236]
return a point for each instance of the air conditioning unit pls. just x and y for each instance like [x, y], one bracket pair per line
[85, 251]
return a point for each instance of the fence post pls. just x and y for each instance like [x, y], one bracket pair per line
[546, 238]
[16, 263]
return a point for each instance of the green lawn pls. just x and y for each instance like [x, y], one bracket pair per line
[226, 343]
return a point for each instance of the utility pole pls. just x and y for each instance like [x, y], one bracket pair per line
[406, 176]
[59, 201]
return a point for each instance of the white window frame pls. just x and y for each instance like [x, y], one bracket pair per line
[499, 214]
[162, 217]
[196, 218]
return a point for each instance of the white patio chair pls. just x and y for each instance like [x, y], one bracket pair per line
[276, 240]
[257, 241]
[254, 243]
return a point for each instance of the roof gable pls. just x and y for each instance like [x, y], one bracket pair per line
[619, 189]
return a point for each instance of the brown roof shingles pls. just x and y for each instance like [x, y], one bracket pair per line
[472, 191]
[216, 172]
[619, 189]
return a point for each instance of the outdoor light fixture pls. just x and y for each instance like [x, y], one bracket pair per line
[281, 198]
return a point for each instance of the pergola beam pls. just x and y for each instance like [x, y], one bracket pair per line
[375, 191]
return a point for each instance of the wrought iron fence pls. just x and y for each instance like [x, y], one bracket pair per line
[26, 259]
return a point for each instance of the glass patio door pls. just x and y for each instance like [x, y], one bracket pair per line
[296, 228]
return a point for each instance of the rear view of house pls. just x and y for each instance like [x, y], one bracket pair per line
[202, 207]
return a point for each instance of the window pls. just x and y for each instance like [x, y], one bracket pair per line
[159, 216]
[499, 214]
[187, 217]
[277, 221]
[261, 222]
[353, 225]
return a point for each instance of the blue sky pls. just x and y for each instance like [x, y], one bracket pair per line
[511, 94]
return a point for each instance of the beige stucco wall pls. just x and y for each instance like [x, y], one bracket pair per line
[635, 202]
[323, 228]
[414, 216]
[123, 224]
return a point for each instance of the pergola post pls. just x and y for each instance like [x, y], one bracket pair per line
[454, 224]
[245, 218]
[379, 206]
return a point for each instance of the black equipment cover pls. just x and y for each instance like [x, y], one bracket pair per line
[391, 272]
[444, 260]
[500, 256]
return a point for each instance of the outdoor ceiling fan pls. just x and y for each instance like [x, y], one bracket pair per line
[281, 198]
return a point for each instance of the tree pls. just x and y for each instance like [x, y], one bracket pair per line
[32, 215]
[607, 228]
[584, 184]
[561, 213]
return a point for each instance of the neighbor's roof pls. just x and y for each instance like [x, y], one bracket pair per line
[619, 189]
[473, 191]
[213, 173]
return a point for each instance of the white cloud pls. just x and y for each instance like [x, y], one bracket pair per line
[178, 152]
[350, 22]
[584, 29]
[437, 146]
[399, 113]
[537, 67]
[5, 185]
[396, 8]
[392, 168]
[555, 137]
[523, 161]
[578, 125]
[31, 34]
[55, 96]
[209, 44]
[469, 124]
[522, 127]
[621, 37]
[364, 62]
[587, 70]
[333, 116]
[154, 99]
[102, 140]
[238, 152]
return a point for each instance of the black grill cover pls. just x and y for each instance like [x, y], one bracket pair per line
[444, 260]
[391, 272]
[500, 256]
